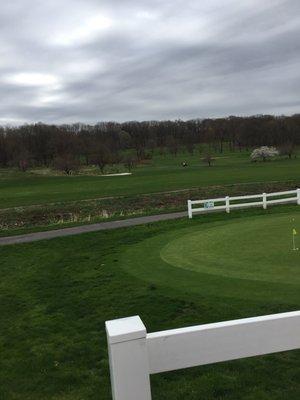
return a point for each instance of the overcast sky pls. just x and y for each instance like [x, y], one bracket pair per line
[92, 60]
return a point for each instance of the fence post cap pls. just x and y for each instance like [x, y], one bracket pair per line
[125, 329]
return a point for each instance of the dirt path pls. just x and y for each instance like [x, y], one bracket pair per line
[32, 237]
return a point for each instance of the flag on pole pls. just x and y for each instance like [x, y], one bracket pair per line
[294, 232]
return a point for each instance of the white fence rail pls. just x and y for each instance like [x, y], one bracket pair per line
[263, 199]
[134, 354]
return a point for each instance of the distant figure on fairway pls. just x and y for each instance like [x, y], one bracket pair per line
[184, 164]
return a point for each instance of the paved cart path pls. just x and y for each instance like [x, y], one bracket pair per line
[76, 230]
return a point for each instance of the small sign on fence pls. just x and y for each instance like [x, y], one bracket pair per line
[209, 204]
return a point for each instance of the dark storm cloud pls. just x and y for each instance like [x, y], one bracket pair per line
[118, 60]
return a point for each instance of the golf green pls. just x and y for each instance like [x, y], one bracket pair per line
[247, 258]
[259, 249]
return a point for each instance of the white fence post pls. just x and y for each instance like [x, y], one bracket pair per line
[190, 212]
[264, 201]
[298, 197]
[128, 359]
[227, 204]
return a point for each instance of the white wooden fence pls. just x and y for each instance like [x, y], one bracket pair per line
[263, 199]
[134, 354]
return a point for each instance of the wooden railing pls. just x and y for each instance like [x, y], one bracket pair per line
[263, 199]
[134, 354]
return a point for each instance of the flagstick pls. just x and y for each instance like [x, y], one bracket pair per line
[294, 247]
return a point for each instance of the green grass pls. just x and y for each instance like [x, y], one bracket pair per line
[58, 215]
[163, 173]
[56, 296]
[233, 253]
[257, 248]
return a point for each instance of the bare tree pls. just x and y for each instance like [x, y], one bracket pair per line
[190, 147]
[129, 163]
[102, 157]
[66, 163]
[172, 145]
[23, 160]
[208, 159]
[287, 149]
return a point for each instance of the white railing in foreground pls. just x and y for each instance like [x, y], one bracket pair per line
[209, 204]
[134, 354]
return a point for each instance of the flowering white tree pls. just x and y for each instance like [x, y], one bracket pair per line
[264, 153]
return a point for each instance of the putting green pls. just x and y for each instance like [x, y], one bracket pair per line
[257, 249]
[246, 258]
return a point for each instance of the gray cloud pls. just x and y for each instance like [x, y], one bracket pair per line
[91, 60]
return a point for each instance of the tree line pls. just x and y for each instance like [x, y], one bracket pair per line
[68, 146]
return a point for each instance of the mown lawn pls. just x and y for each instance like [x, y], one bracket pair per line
[56, 296]
[163, 173]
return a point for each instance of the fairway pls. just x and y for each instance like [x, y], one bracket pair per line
[256, 249]
[162, 173]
